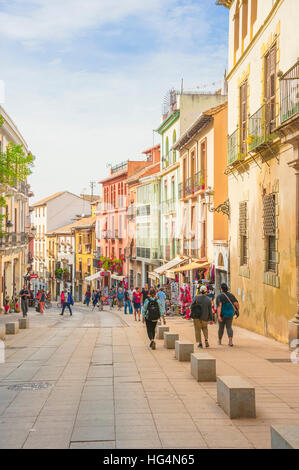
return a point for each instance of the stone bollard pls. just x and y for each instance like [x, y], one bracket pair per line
[161, 330]
[285, 437]
[12, 328]
[23, 323]
[2, 333]
[183, 350]
[170, 339]
[236, 397]
[203, 367]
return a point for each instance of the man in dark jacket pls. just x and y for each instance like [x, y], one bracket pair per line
[202, 318]
[68, 304]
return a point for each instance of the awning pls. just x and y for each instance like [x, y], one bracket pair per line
[153, 275]
[118, 278]
[93, 276]
[171, 264]
[191, 267]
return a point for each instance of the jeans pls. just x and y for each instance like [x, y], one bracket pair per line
[66, 304]
[128, 304]
[151, 328]
[24, 306]
[226, 322]
[200, 326]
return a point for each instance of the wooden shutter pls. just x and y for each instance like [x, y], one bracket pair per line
[243, 219]
[270, 90]
[269, 215]
[243, 109]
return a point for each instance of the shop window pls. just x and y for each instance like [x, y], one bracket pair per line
[243, 233]
[270, 231]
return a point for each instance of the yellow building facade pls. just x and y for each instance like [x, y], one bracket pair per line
[263, 116]
[85, 246]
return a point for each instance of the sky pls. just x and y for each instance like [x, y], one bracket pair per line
[85, 79]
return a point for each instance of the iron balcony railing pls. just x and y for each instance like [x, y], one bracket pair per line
[233, 147]
[143, 252]
[193, 184]
[120, 166]
[13, 239]
[260, 127]
[289, 93]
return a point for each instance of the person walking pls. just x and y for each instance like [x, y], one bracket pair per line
[227, 307]
[162, 297]
[111, 298]
[201, 313]
[127, 301]
[87, 297]
[69, 301]
[120, 298]
[42, 301]
[62, 297]
[137, 303]
[151, 312]
[95, 300]
[24, 294]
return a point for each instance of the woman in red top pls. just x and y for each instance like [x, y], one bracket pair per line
[137, 303]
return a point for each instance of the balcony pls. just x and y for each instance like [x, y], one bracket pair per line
[119, 167]
[13, 240]
[289, 94]
[233, 154]
[168, 206]
[192, 185]
[261, 126]
[143, 252]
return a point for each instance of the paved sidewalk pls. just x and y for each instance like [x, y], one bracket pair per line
[106, 389]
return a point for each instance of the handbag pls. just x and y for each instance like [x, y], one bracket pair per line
[195, 310]
[235, 309]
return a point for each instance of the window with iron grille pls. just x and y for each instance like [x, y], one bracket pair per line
[243, 233]
[270, 230]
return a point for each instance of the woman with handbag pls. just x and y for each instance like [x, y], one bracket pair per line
[201, 313]
[227, 307]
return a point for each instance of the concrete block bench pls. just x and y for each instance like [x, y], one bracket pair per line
[23, 323]
[12, 328]
[236, 397]
[170, 339]
[203, 367]
[161, 330]
[285, 437]
[183, 350]
[2, 333]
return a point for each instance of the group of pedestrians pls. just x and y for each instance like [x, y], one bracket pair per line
[227, 307]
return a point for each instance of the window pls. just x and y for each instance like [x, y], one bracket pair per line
[166, 152]
[270, 89]
[253, 15]
[243, 117]
[237, 29]
[244, 20]
[243, 233]
[173, 142]
[270, 231]
[203, 153]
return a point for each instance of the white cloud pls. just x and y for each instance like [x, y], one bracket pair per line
[57, 20]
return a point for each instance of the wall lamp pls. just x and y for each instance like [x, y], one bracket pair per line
[209, 197]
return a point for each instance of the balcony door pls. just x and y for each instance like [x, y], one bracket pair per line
[270, 90]
[243, 117]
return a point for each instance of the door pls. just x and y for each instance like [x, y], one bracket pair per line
[270, 91]
[243, 117]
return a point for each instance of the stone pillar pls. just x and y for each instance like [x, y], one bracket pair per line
[294, 323]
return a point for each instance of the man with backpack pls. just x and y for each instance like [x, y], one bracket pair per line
[151, 312]
[227, 307]
[201, 313]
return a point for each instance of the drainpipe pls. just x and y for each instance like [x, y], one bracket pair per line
[294, 323]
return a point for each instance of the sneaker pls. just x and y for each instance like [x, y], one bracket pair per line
[230, 344]
[200, 345]
[151, 344]
[207, 343]
[154, 345]
[219, 342]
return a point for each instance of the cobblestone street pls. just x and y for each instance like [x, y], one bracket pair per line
[91, 381]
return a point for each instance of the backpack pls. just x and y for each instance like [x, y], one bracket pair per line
[153, 311]
[195, 310]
